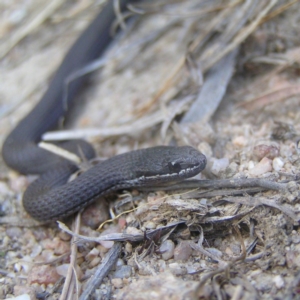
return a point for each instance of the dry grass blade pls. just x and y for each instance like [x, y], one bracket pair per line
[71, 281]
[271, 97]
[30, 26]
[279, 10]
[242, 35]
[256, 201]
[60, 152]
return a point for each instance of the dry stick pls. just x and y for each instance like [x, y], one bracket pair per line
[68, 289]
[223, 192]
[194, 13]
[223, 183]
[279, 10]
[30, 26]
[102, 271]
[227, 266]
[241, 36]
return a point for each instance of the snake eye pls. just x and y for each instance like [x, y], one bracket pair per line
[174, 167]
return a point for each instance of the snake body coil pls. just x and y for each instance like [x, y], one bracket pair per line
[50, 197]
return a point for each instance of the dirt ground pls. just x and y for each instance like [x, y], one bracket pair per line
[221, 76]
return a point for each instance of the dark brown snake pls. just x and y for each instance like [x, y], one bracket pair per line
[50, 197]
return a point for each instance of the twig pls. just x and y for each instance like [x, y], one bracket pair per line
[71, 282]
[223, 183]
[102, 271]
[120, 237]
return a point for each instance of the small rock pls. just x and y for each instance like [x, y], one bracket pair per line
[21, 290]
[277, 163]
[240, 141]
[128, 247]
[95, 262]
[205, 148]
[219, 165]
[63, 270]
[296, 238]
[95, 214]
[43, 275]
[14, 232]
[64, 236]
[279, 282]
[193, 268]
[117, 283]
[119, 263]
[167, 249]
[162, 265]
[235, 248]
[292, 259]
[47, 256]
[4, 189]
[123, 272]
[150, 225]
[183, 251]
[17, 16]
[57, 245]
[19, 183]
[215, 252]
[92, 254]
[133, 231]
[177, 269]
[25, 264]
[264, 166]
[36, 250]
[251, 165]
[263, 150]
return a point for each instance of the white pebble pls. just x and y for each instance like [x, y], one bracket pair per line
[177, 269]
[219, 165]
[240, 141]
[279, 282]
[117, 283]
[251, 165]
[167, 249]
[205, 148]
[278, 163]
[17, 16]
[36, 250]
[264, 166]
[150, 225]
[62, 269]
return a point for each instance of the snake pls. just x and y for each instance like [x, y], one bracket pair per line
[52, 196]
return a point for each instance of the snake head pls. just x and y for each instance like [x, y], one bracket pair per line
[169, 164]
